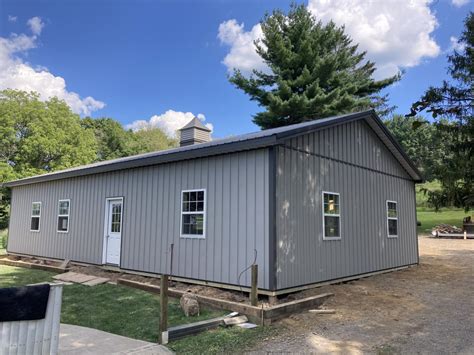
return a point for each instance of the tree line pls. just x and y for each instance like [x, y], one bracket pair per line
[38, 137]
[314, 70]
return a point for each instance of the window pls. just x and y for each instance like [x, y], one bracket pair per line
[193, 214]
[331, 216]
[392, 219]
[35, 217]
[63, 216]
[116, 223]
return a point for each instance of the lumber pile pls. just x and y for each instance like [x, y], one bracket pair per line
[453, 232]
[232, 319]
[446, 228]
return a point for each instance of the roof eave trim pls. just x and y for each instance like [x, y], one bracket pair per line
[399, 148]
[201, 152]
[318, 125]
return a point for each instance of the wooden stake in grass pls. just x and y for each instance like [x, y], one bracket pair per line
[163, 333]
[254, 291]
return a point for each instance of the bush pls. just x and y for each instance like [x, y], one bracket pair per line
[3, 239]
[422, 193]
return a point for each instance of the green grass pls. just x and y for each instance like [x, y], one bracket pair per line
[134, 313]
[430, 219]
[112, 308]
[224, 341]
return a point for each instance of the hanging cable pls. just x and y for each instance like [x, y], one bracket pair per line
[248, 267]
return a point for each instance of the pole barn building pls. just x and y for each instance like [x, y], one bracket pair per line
[311, 202]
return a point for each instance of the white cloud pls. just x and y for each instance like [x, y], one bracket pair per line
[36, 25]
[456, 45]
[242, 54]
[15, 73]
[169, 122]
[12, 18]
[459, 3]
[396, 34]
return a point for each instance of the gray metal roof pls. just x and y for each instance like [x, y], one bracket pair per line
[195, 123]
[261, 139]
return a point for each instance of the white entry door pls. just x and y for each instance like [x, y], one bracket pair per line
[114, 231]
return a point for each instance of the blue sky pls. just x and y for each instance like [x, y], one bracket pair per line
[143, 58]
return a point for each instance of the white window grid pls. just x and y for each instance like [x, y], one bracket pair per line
[392, 218]
[35, 216]
[203, 213]
[64, 214]
[338, 215]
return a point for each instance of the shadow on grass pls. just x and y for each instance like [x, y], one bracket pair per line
[112, 308]
[224, 340]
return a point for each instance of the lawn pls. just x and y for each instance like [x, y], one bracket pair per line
[112, 308]
[134, 313]
[430, 219]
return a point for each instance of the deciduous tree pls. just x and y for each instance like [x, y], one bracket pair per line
[113, 141]
[38, 137]
[424, 144]
[451, 105]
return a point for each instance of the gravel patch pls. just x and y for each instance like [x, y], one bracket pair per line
[425, 309]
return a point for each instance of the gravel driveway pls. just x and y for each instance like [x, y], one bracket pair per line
[426, 309]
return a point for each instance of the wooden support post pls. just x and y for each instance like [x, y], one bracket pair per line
[273, 300]
[254, 290]
[465, 235]
[163, 334]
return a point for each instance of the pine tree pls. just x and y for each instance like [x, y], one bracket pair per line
[315, 71]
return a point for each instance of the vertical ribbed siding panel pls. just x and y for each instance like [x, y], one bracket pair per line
[211, 223]
[303, 256]
[365, 148]
[236, 217]
[203, 180]
[35, 336]
[218, 252]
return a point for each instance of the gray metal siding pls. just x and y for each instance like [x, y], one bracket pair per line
[354, 143]
[365, 174]
[236, 217]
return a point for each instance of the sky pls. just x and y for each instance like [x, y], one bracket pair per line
[160, 63]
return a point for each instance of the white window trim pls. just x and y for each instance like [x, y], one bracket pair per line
[193, 236]
[331, 215]
[64, 215]
[391, 218]
[38, 216]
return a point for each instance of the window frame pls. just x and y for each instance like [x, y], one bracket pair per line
[64, 215]
[36, 216]
[203, 212]
[391, 218]
[331, 215]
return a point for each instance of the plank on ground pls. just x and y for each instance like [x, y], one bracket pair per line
[96, 281]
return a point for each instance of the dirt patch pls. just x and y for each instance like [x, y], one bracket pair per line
[33, 260]
[208, 291]
[422, 309]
